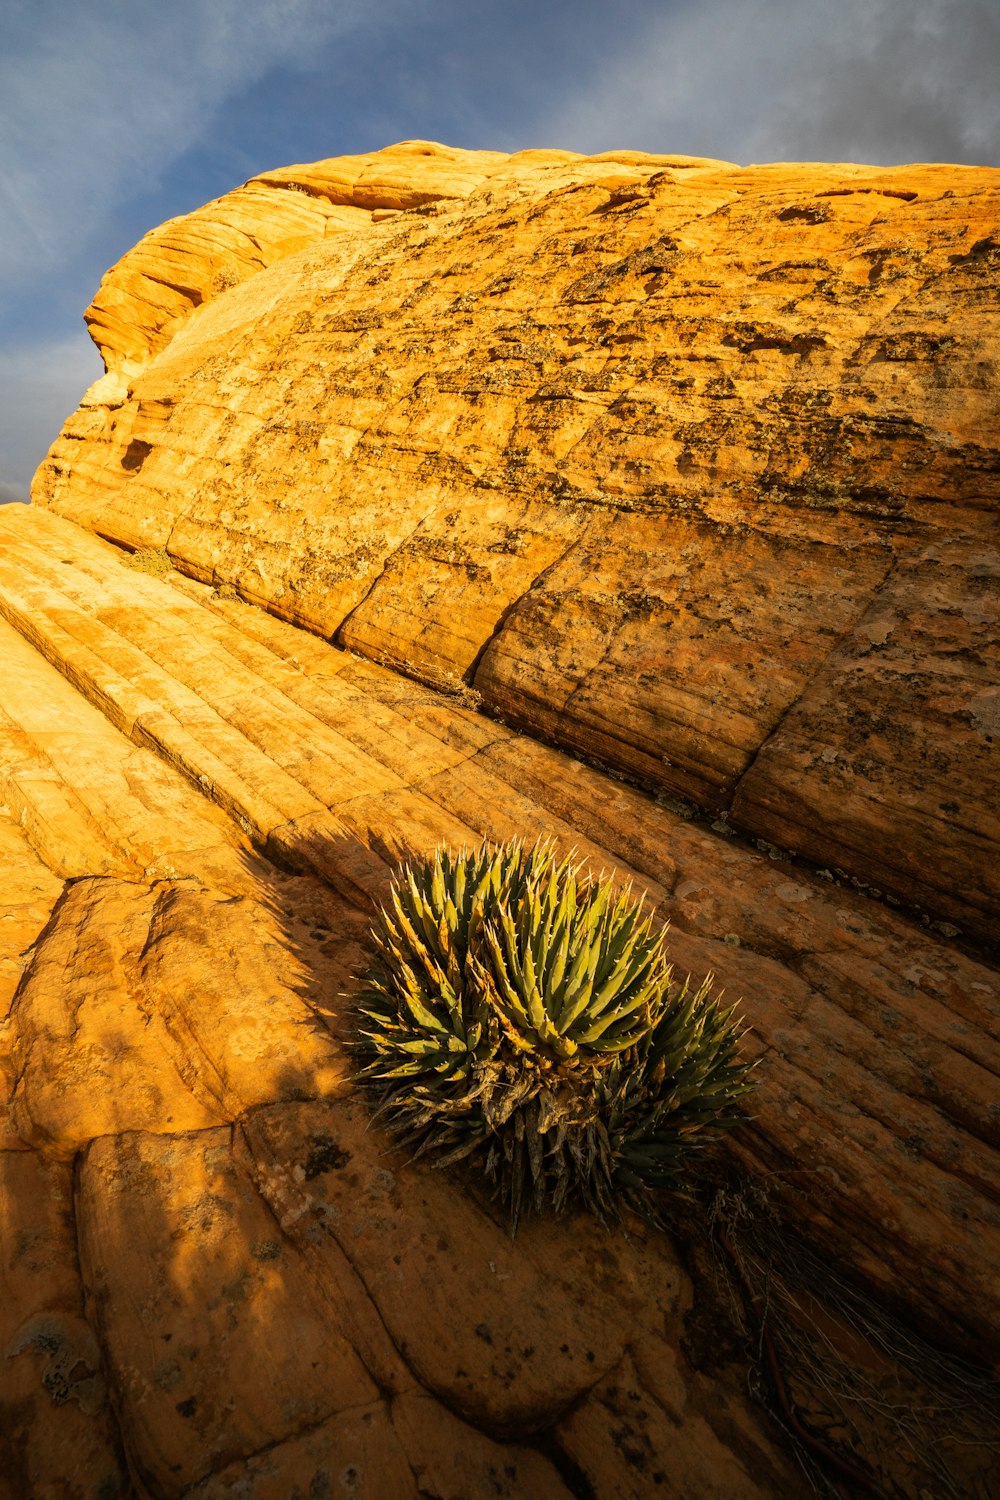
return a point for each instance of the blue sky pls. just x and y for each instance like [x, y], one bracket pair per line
[118, 114]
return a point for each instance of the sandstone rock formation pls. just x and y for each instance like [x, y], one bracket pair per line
[668, 460]
[685, 469]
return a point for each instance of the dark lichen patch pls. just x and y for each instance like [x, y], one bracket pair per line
[913, 345]
[982, 250]
[749, 337]
[321, 1485]
[151, 560]
[808, 213]
[265, 1250]
[324, 1156]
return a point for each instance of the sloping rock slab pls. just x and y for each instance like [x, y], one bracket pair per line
[231, 1281]
[641, 449]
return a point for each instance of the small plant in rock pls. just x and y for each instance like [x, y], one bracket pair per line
[520, 1012]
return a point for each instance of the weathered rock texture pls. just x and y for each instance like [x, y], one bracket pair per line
[242, 1287]
[685, 466]
[689, 467]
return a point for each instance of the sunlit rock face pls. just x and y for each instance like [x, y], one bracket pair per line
[653, 500]
[688, 467]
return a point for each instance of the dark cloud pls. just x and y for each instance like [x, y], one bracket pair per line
[884, 81]
[900, 81]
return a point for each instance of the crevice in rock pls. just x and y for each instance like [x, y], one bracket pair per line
[470, 674]
[243, 1154]
[91, 1312]
[440, 1395]
[278, 1443]
[335, 636]
[572, 1475]
[820, 667]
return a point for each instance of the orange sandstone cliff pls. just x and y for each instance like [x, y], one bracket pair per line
[644, 502]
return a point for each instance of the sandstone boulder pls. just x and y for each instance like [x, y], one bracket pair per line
[639, 503]
[176, 1029]
[685, 466]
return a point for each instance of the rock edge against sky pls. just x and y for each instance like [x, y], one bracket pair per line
[459, 471]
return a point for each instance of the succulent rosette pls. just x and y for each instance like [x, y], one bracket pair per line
[518, 1011]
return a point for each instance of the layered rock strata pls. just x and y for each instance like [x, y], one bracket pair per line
[691, 468]
[233, 1283]
[687, 467]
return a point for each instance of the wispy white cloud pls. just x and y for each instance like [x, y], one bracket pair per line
[797, 80]
[39, 387]
[98, 98]
[97, 101]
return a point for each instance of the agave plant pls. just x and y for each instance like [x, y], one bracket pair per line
[519, 1011]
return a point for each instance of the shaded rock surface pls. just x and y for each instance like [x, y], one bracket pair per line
[245, 1287]
[686, 467]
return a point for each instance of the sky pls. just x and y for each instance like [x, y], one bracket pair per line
[118, 114]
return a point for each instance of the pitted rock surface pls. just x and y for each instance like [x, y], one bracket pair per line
[687, 468]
